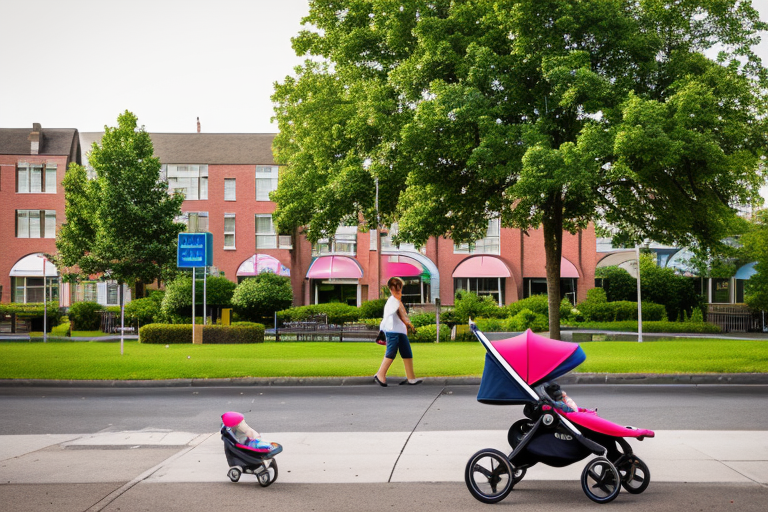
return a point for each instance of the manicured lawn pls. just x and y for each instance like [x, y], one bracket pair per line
[94, 360]
[61, 332]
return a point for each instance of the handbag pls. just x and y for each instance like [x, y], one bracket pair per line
[381, 338]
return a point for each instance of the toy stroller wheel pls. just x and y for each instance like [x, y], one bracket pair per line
[268, 477]
[517, 475]
[600, 480]
[517, 431]
[234, 474]
[489, 476]
[635, 476]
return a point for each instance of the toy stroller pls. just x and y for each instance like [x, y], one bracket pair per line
[246, 452]
[517, 372]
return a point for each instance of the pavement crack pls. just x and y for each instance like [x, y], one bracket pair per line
[389, 480]
[109, 498]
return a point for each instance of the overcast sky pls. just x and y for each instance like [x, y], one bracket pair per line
[79, 63]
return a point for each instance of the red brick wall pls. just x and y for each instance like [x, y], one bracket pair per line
[12, 249]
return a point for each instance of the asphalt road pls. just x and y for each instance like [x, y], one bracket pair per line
[363, 408]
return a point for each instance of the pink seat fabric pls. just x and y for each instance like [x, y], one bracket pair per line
[589, 419]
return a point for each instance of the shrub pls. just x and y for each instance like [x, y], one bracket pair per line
[371, 321]
[527, 319]
[142, 311]
[655, 326]
[428, 334]
[373, 308]
[619, 311]
[336, 312]
[257, 298]
[167, 334]
[449, 317]
[470, 305]
[85, 316]
[422, 319]
[618, 283]
[597, 295]
[177, 300]
[697, 316]
[491, 324]
[34, 311]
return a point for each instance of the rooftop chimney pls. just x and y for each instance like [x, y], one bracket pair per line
[35, 139]
[198, 125]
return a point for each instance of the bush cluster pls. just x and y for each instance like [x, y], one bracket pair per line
[177, 300]
[655, 326]
[422, 319]
[259, 297]
[523, 320]
[33, 311]
[428, 334]
[143, 311]
[85, 316]
[336, 312]
[596, 309]
[168, 334]
[372, 308]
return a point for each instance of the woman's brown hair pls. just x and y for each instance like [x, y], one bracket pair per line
[395, 282]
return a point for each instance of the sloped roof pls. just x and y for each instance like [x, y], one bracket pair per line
[204, 148]
[56, 141]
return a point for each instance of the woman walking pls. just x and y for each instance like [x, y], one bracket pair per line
[396, 326]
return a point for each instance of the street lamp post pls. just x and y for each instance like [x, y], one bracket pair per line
[639, 299]
[45, 302]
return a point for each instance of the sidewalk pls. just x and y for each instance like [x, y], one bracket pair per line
[353, 457]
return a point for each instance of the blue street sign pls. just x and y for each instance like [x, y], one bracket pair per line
[194, 250]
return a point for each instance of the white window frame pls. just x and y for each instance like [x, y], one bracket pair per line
[186, 217]
[264, 173]
[46, 170]
[229, 233]
[490, 244]
[189, 174]
[265, 239]
[232, 196]
[343, 242]
[46, 224]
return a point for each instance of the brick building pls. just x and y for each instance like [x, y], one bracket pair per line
[226, 180]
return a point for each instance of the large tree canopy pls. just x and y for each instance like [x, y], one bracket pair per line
[122, 223]
[545, 113]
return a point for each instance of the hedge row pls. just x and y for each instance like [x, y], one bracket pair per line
[167, 334]
[653, 326]
[594, 311]
[428, 334]
[337, 313]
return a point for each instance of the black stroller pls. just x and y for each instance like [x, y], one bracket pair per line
[246, 454]
[518, 371]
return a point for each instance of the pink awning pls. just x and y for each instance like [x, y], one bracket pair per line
[568, 269]
[482, 266]
[334, 267]
[400, 269]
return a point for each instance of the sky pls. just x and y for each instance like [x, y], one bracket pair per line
[167, 61]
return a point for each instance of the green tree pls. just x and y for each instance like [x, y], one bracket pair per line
[257, 298]
[545, 113]
[756, 245]
[177, 300]
[120, 224]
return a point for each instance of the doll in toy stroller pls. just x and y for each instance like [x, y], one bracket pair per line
[520, 371]
[246, 452]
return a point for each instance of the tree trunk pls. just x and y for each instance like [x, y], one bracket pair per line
[553, 250]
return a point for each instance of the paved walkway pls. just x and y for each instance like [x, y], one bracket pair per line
[150, 456]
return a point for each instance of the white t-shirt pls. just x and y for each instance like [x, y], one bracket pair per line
[391, 321]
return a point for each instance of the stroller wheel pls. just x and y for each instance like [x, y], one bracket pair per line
[635, 476]
[600, 480]
[517, 475]
[268, 475]
[234, 474]
[489, 476]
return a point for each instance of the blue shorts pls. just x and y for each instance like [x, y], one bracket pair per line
[398, 341]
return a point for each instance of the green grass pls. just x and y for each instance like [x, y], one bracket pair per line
[94, 360]
[88, 334]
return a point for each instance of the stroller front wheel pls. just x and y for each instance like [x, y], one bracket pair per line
[635, 475]
[268, 475]
[234, 474]
[489, 476]
[600, 480]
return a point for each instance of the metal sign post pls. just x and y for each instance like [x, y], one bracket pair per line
[122, 316]
[45, 303]
[205, 298]
[193, 304]
[639, 300]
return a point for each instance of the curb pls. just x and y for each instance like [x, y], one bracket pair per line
[579, 378]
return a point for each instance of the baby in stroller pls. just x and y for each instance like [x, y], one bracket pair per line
[246, 452]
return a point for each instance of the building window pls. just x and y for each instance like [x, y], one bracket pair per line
[482, 286]
[190, 180]
[229, 189]
[84, 292]
[31, 289]
[265, 232]
[488, 245]
[266, 181]
[35, 223]
[196, 222]
[113, 294]
[229, 230]
[387, 245]
[343, 242]
[36, 178]
[538, 286]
